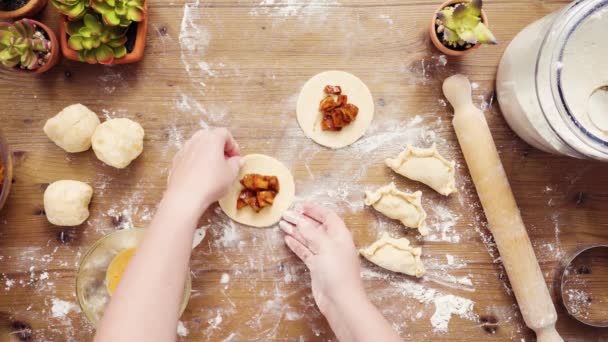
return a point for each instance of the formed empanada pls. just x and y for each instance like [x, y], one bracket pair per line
[398, 205]
[427, 166]
[395, 255]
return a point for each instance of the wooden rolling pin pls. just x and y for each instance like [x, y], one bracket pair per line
[501, 211]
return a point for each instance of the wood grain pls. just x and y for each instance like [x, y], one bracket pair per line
[258, 62]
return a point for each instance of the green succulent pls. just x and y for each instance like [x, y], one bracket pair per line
[73, 9]
[21, 44]
[119, 12]
[461, 25]
[96, 42]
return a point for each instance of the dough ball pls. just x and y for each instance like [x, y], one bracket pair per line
[72, 128]
[117, 142]
[267, 166]
[309, 117]
[66, 202]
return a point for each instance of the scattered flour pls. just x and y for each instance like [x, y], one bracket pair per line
[461, 283]
[225, 278]
[175, 138]
[291, 8]
[182, 331]
[215, 321]
[484, 104]
[386, 18]
[578, 302]
[62, 308]
[443, 60]
[193, 39]
[447, 306]
[442, 224]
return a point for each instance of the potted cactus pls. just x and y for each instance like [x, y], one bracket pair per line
[102, 31]
[28, 46]
[13, 9]
[459, 27]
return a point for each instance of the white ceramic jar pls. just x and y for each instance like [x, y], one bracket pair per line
[552, 82]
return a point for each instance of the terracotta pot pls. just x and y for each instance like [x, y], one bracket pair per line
[30, 9]
[54, 51]
[435, 39]
[134, 56]
[6, 161]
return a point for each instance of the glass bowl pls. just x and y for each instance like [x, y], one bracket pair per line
[6, 161]
[91, 291]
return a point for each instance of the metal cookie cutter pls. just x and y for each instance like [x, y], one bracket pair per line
[584, 285]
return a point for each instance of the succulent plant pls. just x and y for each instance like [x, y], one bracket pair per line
[461, 25]
[23, 45]
[119, 12]
[73, 9]
[96, 42]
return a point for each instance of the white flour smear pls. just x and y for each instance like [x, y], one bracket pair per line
[193, 38]
[182, 331]
[445, 305]
[62, 308]
[444, 223]
[578, 302]
[292, 8]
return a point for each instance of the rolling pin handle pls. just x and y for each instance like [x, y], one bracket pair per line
[548, 334]
[457, 89]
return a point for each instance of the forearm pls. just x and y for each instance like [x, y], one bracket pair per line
[353, 318]
[148, 297]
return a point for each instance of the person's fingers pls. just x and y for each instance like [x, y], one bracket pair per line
[299, 249]
[195, 137]
[308, 228]
[291, 230]
[331, 222]
[286, 227]
[317, 212]
[231, 147]
[295, 217]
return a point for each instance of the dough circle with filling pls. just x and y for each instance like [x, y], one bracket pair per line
[309, 116]
[266, 166]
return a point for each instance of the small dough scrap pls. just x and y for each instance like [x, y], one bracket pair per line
[427, 166]
[72, 128]
[66, 202]
[395, 255]
[309, 117]
[263, 165]
[117, 142]
[398, 205]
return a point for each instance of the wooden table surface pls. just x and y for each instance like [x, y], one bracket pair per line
[241, 64]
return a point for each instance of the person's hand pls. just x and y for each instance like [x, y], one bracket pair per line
[204, 169]
[320, 239]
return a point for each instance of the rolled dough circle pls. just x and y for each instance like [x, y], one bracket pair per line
[267, 166]
[309, 117]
